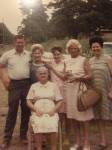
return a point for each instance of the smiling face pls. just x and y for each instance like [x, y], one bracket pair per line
[57, 56]
[37, 55]
[73, 50]
[42, 75]
[96, 49]
[19, 44]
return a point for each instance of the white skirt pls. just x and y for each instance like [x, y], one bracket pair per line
[44, 123]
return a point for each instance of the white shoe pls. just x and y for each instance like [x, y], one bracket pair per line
[72, 148]
[86, 148]
[75, 147]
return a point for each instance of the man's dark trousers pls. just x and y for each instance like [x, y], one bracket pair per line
[18, 90]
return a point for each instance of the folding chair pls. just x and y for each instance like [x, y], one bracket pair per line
[31, 140]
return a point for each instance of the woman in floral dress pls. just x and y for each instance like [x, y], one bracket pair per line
[101, 66]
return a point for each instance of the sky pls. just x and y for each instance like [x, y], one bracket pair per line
[11, 15]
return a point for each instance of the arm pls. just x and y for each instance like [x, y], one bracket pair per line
[57, 106]
[30, 105]
[109, 63]
[87, 69]
[58, 100]
[58, 74]
[4, 76]
[87, 75]
[31, 99]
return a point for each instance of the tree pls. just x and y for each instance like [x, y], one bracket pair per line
[6, 37]
[72, 17]
[95, 16]
[62, 21]
[35, 22]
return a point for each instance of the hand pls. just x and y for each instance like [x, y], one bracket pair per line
[5, 79]
[51, 113]
[84, 78]
[6, 83]
[48, 65]
[81, 78]
[72, 80]
[38, 113]
[67, 75]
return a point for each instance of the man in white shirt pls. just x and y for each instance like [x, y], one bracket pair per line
[14, 70]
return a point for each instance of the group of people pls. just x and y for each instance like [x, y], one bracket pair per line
[47, 90]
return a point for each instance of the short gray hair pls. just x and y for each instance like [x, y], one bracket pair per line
[41, 69]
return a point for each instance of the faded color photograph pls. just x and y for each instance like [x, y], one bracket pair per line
[56, 75]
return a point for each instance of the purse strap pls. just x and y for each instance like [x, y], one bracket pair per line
[81, 87]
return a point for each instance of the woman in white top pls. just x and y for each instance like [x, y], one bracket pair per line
[77, 70]
[44, 99]
[58, 63]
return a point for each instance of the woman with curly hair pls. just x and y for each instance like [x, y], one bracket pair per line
[101, 66]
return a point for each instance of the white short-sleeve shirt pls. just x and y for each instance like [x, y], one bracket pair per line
[44, 91]
[18, 65]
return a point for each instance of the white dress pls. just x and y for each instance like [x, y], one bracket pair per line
[60, 83]
[45, 96]
[76, 67]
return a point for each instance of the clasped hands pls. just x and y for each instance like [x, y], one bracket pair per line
[39, 113]
[71, 78]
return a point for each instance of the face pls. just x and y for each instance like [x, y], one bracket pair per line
[42, 76]
[96, 49]
[73, 50]
[19, 44]
[37, 55]
[57, 56]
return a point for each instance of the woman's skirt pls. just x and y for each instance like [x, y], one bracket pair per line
[44, 123]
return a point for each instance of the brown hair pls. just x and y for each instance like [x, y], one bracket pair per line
[19, 36]
[56, 48]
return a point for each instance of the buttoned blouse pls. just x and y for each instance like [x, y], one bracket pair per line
[40, 91]
[76, 66]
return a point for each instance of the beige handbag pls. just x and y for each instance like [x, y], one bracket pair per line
[87, 97]
[110, 94]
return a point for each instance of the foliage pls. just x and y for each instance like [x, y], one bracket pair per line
[72, 17]
[35, 22]
[6, 36]
[69, 19]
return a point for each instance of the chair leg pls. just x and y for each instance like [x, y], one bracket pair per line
[30, 139]
[60, 137]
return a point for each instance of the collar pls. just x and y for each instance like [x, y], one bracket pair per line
[22, 53]
[44, 85]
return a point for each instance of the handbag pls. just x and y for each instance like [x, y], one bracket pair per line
[87, 97]
[110, 94]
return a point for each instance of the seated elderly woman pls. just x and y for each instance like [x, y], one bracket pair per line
[44, 99]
